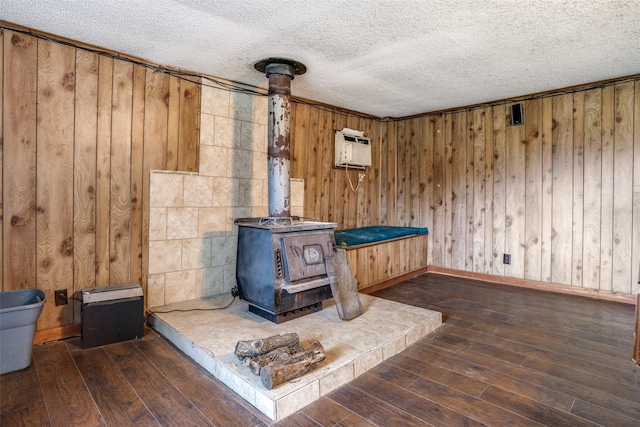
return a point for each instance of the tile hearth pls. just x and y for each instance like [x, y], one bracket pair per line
[209, 337]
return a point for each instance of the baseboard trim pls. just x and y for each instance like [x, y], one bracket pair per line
[393, 280]
[541, 286]
[56, 334]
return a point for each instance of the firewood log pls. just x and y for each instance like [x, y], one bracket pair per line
[257, 347]
[295, 366]
[280, 353]
[255, 363]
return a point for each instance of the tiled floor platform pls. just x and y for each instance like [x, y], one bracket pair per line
[209, 337]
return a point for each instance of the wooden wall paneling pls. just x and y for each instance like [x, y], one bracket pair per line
[479, 190]
[363, 265]
[488, 203]
[606, 220]
[424, 249]
[437, 229]
[623, 188]
[403, 166]
[499, 187]
[357, 195]
[515, 200]
[293, 148]
[373, 175]
[353, 194]
[103, 169]
[412, 251]
[533, 189]
[405, 255]
[84, 172]
[635, 262]
[413, 200]
[19, 161]
[83, 132]
[371, 179]
[155, 121]
[415, 250]
[448, 189]
[547, 189]
[418, 253]
[592, 188]
[384, 263]
[314, 159]
[54, 158]
[348, 196]
[426, 176]
[352, 256]
[396, 258]
[458, 190]
[136, 271]
[314, 146]
[173, 122]
[344, 192]
[578, 189]
[119, 218]
[299, 139]
[333, 173]
[363, 187]
[383, 173]
[376, 268]
[403, 184]
[391, 176]
[324, 198]
[189, 138]
[1, 162]
[155, 144]
[469, 197]
[561, 244]
[341, 205]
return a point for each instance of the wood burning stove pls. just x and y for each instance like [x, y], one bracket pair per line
[281, 270]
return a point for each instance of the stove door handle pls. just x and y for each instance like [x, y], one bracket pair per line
[295, 250]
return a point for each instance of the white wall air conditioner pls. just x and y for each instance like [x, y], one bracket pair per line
[352, 151]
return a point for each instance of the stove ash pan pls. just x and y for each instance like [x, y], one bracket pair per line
[281, 270]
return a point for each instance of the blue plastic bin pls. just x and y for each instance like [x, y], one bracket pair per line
[19, 312]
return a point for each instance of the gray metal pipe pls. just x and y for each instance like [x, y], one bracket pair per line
[279, 138]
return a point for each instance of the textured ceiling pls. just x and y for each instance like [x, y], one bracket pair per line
[388, 58]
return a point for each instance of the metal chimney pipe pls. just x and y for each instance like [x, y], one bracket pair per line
[280, 73]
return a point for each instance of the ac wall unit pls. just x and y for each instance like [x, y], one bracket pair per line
[352, 151]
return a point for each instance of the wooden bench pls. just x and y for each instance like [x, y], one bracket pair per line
[380, 264]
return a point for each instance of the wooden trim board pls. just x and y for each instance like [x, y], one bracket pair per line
[541, 286]
[392, 281]
[56, 334]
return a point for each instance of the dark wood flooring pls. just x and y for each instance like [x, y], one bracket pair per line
[503, 357]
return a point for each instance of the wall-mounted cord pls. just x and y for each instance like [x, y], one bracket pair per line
[361, 176]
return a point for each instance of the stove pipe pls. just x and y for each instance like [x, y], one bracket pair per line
[280, 73]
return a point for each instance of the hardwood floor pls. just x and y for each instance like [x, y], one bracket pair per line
[503, 357]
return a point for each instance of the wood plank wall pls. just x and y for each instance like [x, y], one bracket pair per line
[80, 133]
[560, 193]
